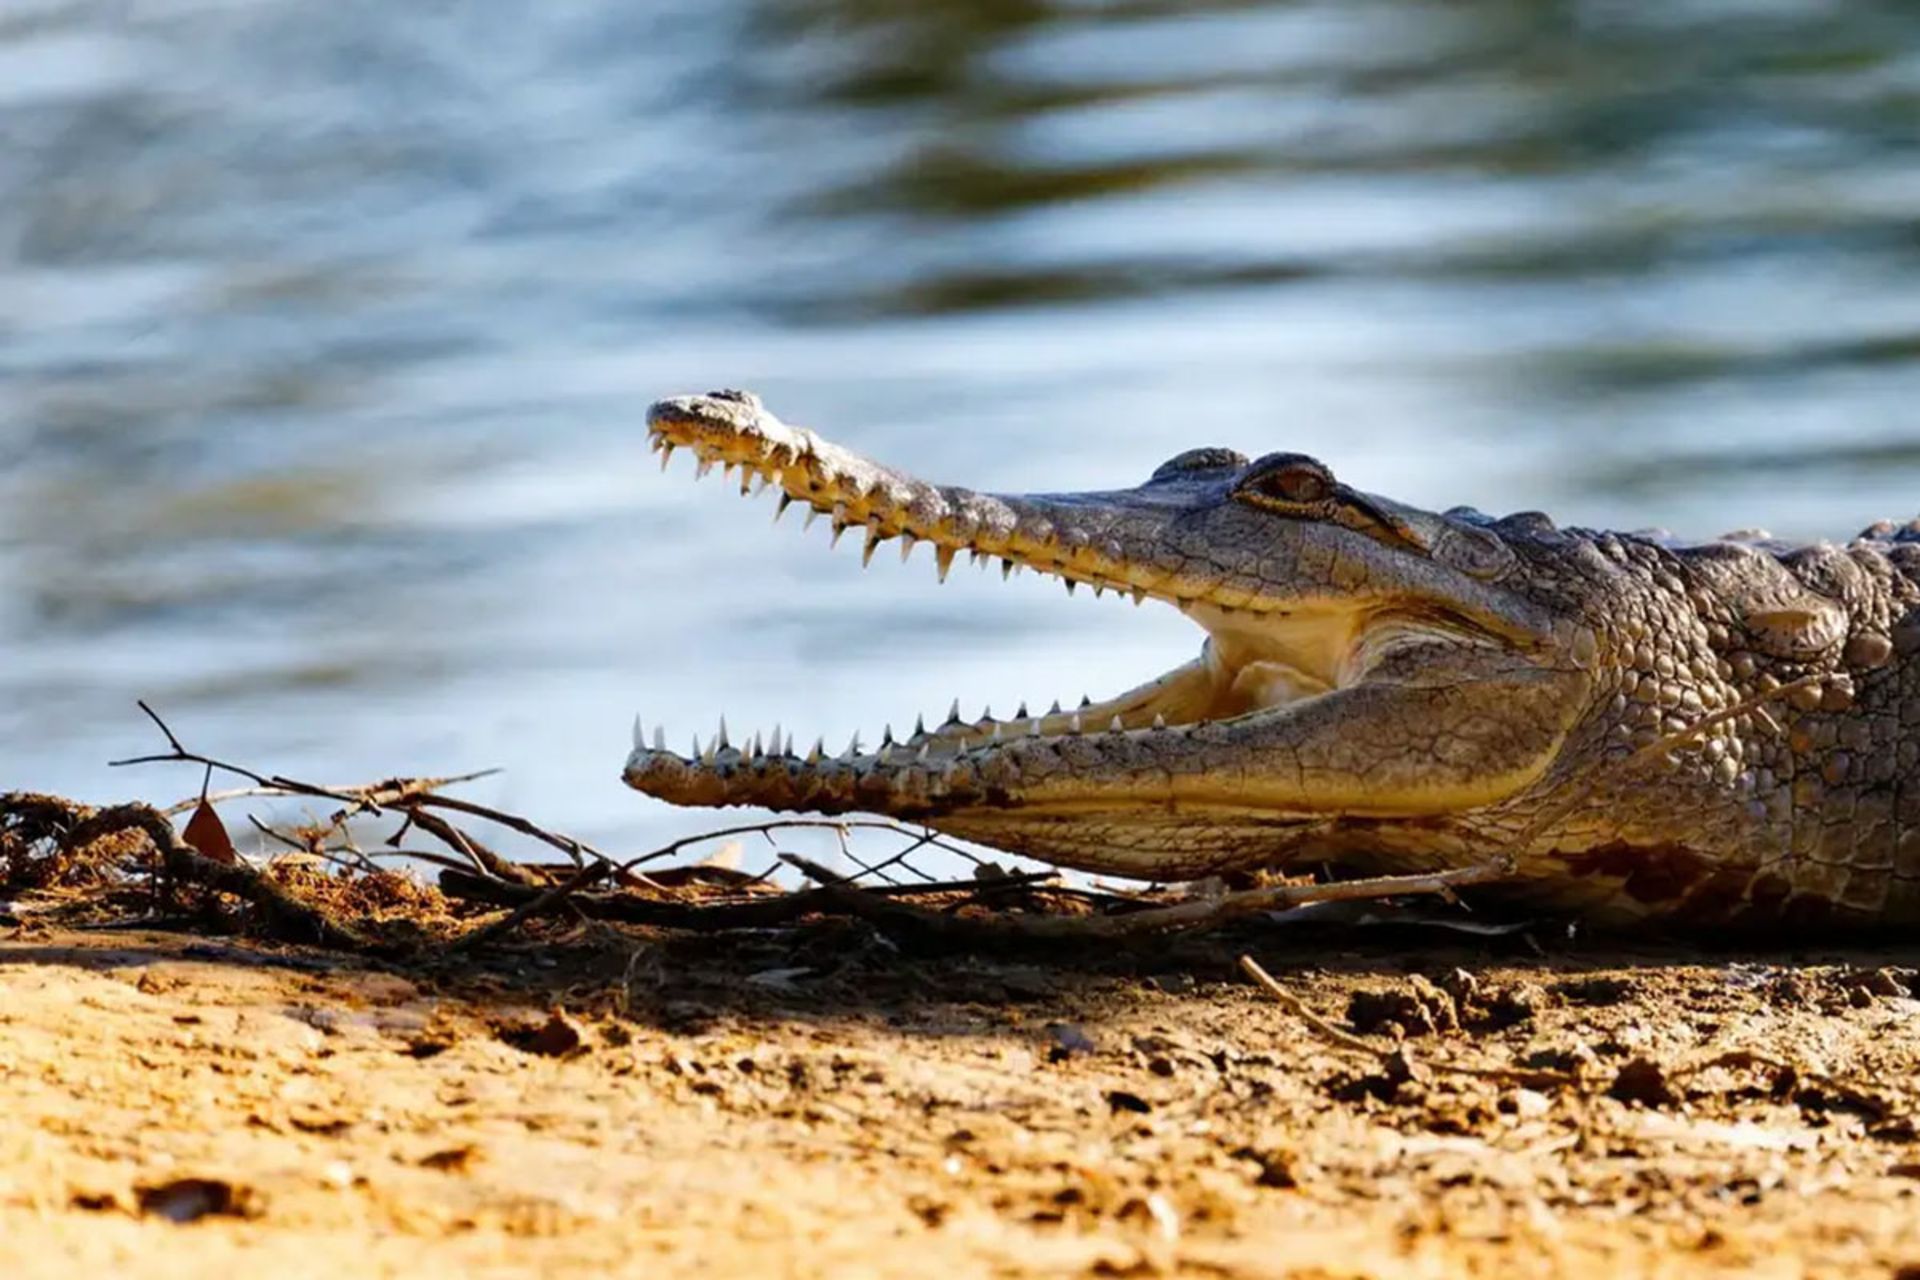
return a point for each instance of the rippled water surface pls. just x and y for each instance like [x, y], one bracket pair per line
[326, 331]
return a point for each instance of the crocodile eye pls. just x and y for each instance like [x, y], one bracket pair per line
[1289, 479]
[1194, 460]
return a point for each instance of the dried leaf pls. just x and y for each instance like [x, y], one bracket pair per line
[206, 833]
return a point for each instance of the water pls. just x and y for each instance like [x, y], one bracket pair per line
[326, 332]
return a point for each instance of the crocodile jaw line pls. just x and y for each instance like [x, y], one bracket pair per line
[1259, 658]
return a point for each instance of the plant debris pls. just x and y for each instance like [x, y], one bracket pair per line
[319, 882]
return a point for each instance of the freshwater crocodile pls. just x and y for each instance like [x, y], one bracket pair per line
[1386, 689]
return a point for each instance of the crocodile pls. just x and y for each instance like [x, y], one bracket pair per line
[1642, 729]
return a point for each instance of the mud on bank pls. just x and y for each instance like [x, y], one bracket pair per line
[819, 1101]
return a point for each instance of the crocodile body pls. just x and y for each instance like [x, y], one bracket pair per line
[1727, 731]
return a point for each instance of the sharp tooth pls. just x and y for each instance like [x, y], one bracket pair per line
[943, 559]
[1139, 597]
[996, 735]
[976, 556]
[700, 472]
[1085, 702]
[1054, 710]
[1006, 570]
[953, 712]
[1021, 714]
[773, 743]
[1159, 720]
[666, 456]
[886, 738]
[711, 754]
[1033, 727]
[853, 747]
[886, 753]
[838, 529]
[747, 476]
[919, 726]
[639, 734]
[813, 513]
[840, 513]
[1073, 725]
[759, 482]
[926, 749]
[659, 738]
[986, 715]
[819, 750]
[721, 741]
[1098, 590]
[907, 544]
[753, 747]
[786, 500]
[1071, 584]
[695, 753]
[874, 539]
[1116, 726]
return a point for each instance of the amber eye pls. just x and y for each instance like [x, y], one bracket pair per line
[1293, 479]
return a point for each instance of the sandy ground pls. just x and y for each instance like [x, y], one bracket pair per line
[819, 1104]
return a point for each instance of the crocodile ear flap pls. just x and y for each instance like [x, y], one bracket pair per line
[1469, 549]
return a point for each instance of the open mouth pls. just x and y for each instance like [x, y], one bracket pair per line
[1253, 659]
[1261, 652]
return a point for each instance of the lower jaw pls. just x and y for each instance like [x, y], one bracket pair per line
[949, 767]
[1096, 835]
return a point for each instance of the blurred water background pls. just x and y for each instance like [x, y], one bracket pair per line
[326, 331]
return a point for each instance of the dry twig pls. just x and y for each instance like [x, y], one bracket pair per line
[283, 913]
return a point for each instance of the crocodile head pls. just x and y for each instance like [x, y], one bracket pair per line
[1363, 661]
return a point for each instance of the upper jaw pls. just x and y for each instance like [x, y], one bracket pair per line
[1183, 541]
[1109, 541]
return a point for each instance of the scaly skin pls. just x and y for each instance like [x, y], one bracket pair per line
[1387, 689]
